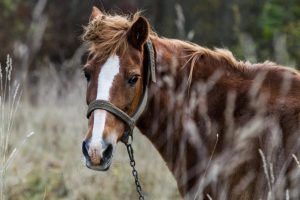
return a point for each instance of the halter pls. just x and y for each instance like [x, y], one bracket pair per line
[149, 73]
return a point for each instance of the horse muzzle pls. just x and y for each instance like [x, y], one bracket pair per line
[97, 157]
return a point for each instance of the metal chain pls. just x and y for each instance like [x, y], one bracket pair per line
[134, 171]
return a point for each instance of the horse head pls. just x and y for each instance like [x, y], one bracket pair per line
[114, 71]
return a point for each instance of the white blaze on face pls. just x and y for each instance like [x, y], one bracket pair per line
[105, 81]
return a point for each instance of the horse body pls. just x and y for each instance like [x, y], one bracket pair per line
[236, 79]
[226, 129]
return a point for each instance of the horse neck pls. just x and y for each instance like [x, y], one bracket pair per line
[161, 121]
[170, 94]
[170, 105]
[164, 122]
[169, 60]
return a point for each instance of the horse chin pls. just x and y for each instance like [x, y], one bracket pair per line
[104, 166]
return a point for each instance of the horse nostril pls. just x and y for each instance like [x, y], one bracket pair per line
[108, 152]
[85, 149]
[92, 153]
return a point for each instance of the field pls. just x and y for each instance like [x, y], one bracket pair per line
[41, 154]
[48, 164]
[43, 109]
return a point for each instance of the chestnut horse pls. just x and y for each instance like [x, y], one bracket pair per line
[226, 129]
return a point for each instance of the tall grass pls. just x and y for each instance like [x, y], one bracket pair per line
[8, 106]
[50, 165]
[10, 96]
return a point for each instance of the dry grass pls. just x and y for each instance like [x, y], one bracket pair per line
[50, 165]
[9, 103]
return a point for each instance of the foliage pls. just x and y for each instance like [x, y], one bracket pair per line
[214, 23]
[283, 17]
[9, 103]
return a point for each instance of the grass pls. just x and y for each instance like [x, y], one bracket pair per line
[50, 164]
[9, 102]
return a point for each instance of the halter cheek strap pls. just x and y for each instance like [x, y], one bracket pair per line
[149, 73]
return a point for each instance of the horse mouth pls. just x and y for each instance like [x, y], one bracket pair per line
[103, 166]
[105, 161]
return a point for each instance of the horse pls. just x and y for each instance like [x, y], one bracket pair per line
[226, 129]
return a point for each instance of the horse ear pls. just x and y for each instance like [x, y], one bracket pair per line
[139, 32]
[95, 13]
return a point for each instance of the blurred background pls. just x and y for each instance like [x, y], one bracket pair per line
[43, 40]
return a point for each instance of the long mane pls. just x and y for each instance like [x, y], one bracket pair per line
[218, 56]
[107, 35]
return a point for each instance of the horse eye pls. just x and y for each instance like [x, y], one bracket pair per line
[87, 76]
[133, 80]
[84, 58]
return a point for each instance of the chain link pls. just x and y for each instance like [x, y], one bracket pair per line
[134, 171]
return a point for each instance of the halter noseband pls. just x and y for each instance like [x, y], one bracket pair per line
[149, 72]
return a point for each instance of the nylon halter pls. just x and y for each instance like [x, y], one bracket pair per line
[149, 73]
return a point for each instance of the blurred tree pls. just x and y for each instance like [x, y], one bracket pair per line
[14, 16]
[252, 29]
[280, 22]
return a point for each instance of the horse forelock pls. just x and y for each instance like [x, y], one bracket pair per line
[107, 35]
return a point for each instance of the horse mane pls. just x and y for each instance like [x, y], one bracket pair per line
[217, 56]
[107, 35]
[225, 58]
